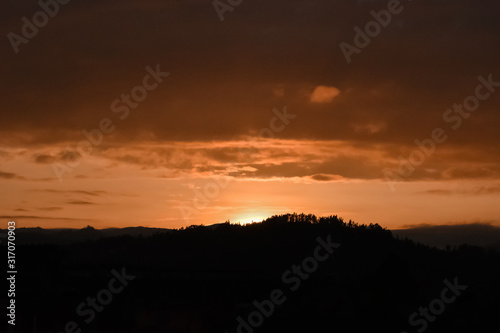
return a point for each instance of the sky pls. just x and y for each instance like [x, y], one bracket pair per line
[168, 113]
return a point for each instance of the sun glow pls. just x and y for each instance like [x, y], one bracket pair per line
[249, 218]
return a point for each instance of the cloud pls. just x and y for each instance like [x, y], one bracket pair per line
[44, 159]
[323, 94]
[50, 209]
[268, 57]
[471, 171]
[90, 193]
[7, 175]
[17, 217]
[63, 156]
[481, 190]
[10, 175]
[79, 202]
[313, 160]
[439, 192]
[69, 155]
[325, 177]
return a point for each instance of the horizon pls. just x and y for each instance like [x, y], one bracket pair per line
[404, 227]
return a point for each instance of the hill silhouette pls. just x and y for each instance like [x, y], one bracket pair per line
[211, 279]
[68, 236]
[441, 236]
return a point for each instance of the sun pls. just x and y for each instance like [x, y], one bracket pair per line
[249, 218]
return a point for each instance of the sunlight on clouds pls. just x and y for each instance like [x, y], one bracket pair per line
[324, 94]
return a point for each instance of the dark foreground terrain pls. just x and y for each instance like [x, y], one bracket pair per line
[290, 273]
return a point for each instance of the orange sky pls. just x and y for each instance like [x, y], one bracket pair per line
[156, 113]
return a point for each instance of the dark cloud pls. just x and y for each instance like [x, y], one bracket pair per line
[324, 177]
[78, 202]
[7, 175]
[227, 77]
[50, 209]
[18, 217]
[10, 175]
[224, 74]
[44, 159]
[90, 193]
[481, 190]
[62, 156]
[439, 192]
[314, 160]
